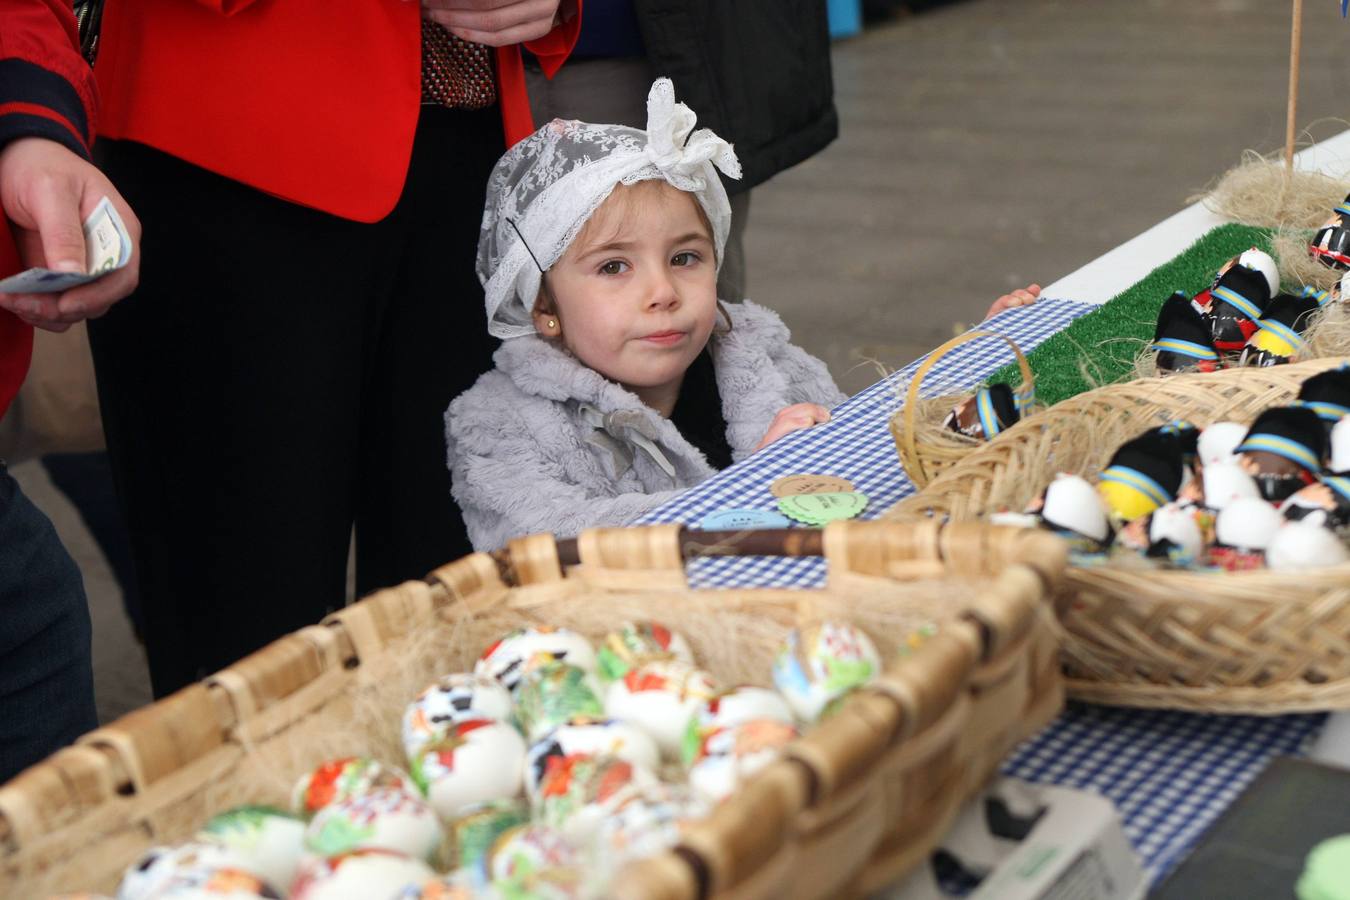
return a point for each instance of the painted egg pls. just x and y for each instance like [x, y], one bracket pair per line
[452, 699]
[372, 874]
[598, 737]
[637, 643]
[661, 698]
[1264, 263]
[730, 755]
[479, 761]
[732, 707]
[1247, 524]
[1073, 505]
[1217, 442]
[1340, 446]
[536, 862]
[643, 826]
[206, 883]
[1305, 546]
[579, 791]
[266, 841]
[1226, 482]
[1174, 534]
[339, 779]
[823, 662]
[390, 819]
[472, 834]
[510, 658]
[159, 866]
[553, 694]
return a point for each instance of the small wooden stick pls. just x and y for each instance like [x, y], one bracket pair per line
[1295, 43]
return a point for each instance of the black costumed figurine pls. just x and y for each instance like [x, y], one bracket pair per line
[1331, 244]
[992, 410]
[1183, 340]
[1328, 499]
[1239, 296]
[1283, 451]
[1278, 338]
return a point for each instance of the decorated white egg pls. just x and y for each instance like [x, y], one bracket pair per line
[472, 834]
[732, 707]
[535, 861]
[1264, 263]
[660, 698]
[553, 694]
[598, 737]
[728, 756]
[453, 698]
[1340, 447]
[636, 643]
[266, 841]
[391, 819]
[644, 825]
[1217, 442]
[206, 883]
[1173, 532]
[822, 662]
[509, 658]
[373, 874]
[339, 779]
[579, 791]
[1304, 545]
[1074, 505]
[160, 866]
[1226, 482]
[478, 761]
[1247, 523]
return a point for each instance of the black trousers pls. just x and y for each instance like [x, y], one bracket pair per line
[279, 375]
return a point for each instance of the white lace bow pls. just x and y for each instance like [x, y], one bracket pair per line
[542, 191]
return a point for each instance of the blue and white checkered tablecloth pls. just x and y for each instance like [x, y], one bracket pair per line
[1170, 774]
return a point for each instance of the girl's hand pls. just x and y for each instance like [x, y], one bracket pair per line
[794, 418]
[1024, 297]
[494, 22]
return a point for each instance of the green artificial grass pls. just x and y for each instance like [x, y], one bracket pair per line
[1100, 347]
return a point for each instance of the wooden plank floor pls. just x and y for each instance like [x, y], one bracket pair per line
[985, 144]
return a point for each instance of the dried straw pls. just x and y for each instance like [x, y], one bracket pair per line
[1259, 191]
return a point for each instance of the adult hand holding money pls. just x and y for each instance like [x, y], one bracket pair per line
[49, 194]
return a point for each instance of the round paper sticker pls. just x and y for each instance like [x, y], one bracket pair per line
[817, 509]
[738, 519]
[806, 483]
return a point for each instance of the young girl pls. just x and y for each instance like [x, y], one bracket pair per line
[622, 380]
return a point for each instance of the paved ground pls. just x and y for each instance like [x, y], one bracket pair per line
[985, 144]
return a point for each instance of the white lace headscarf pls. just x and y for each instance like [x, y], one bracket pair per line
[546, 187]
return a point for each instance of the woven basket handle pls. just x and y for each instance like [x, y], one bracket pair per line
[912, 393]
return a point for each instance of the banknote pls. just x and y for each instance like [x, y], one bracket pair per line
[107, 249]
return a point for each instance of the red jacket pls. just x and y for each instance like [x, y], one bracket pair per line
[46, 90]
[310, 100]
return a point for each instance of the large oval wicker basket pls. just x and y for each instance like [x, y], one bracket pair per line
[1252, 642]
[853, 805]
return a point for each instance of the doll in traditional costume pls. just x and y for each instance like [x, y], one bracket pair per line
[1183, 340]
[992, 410]
[1327, 501]
[1328, 395]
[1283, 451]
[1238, 297]
[1331, 244]
[1144, 474]
[1278, 338]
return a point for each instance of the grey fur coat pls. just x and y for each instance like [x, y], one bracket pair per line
[544, 444]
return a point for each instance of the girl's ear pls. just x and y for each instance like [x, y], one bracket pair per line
[546, 320]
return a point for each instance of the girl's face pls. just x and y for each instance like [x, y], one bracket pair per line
[635, 295]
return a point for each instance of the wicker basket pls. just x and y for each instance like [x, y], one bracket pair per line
[852, 805]
[1241, 642]
[926, 448]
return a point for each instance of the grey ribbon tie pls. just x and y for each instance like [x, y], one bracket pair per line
[634, 423]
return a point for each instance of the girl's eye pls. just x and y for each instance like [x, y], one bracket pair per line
[684, 258]
[613, 267]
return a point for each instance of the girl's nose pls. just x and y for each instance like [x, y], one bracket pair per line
[662, 295]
